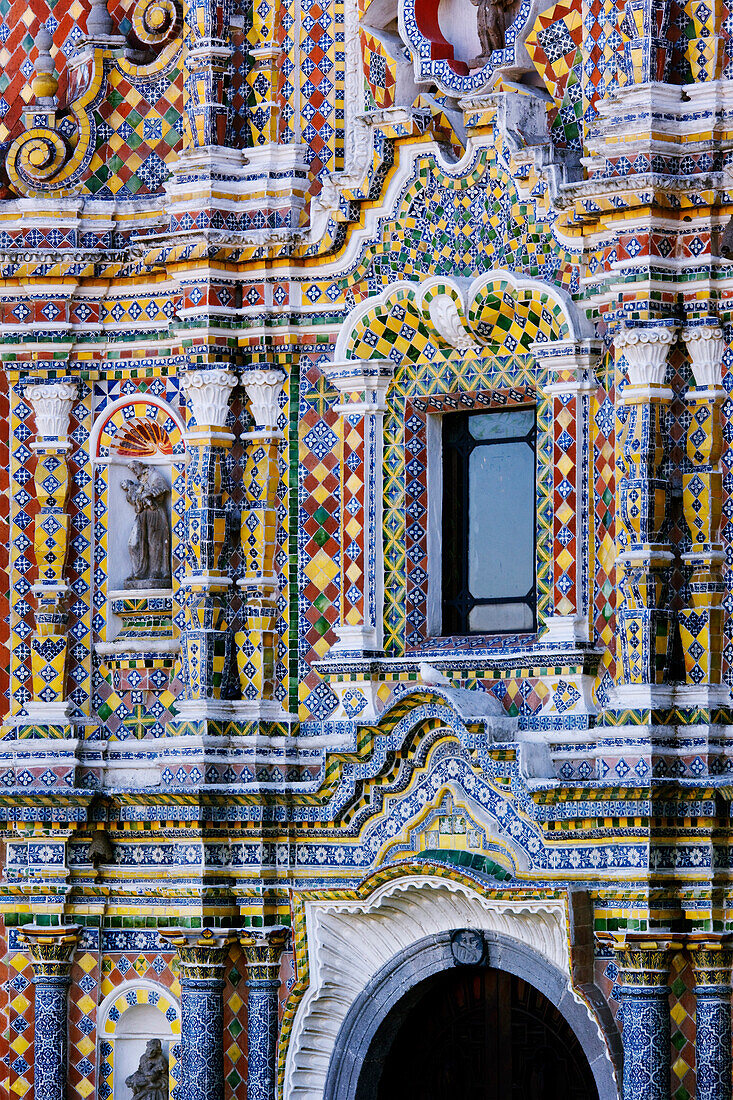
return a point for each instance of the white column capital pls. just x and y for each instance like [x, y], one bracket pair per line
[706, 345]
[263, 389]
[209, 391]
[577, 360]
[646, 351]
[370, 377]
[52, 404]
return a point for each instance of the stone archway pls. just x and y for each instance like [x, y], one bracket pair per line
[380, 1014]
[366, 948]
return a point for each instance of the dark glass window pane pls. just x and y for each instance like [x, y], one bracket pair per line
[501, 520]
[489, 522]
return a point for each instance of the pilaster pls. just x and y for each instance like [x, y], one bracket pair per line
[202, 956]
[206, 638]
[363, 387]
[52, 403]
[571, 367]
[643, 558]
[256, 642]
[701, 624]
[52, 951]
[263, 948]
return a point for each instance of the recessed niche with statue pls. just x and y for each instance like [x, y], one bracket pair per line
[139, 448]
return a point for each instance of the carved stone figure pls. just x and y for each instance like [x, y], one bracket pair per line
[150, 1079]
[492, 23]
[149, 542]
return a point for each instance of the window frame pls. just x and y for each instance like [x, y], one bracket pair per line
[464, 603]
[415, 526]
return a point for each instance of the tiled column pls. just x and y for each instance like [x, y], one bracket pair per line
[644, 997]
[263, 948]
[643, 623]
[51, 950]
[363, 388]
[206, 636]
[207, 66]
[571, 367]
[262, 77]
[647, 50]
[701, 625]
[202, 956]
[256, 644]
[712, 957]
[52, 404]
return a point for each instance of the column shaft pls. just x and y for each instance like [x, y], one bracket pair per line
[206, 639]
[202, 956]
[711, 959]
[644, 997]
[51, 950]
[701, 624]
[256, 642]
[202, 1038]
[263, 948]
[52, 403]
[643, 620]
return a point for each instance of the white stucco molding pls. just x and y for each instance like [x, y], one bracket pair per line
[350, 941]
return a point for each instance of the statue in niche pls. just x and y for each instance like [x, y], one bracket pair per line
[150, 1079]
[150, 541]
[493, 19]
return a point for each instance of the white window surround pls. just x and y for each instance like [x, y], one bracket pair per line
[434, 441]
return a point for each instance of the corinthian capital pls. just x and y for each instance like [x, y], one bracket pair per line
[706, 345]
[51, 948]
[209, 391]
[263, 948]
[201, 953]
[646, 351]
[263, 388]
[52, 404]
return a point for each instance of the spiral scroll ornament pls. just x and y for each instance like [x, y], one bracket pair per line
[155, 21]
[35, 157]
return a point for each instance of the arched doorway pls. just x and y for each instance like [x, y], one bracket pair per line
[549, 1016]
[481, 1034]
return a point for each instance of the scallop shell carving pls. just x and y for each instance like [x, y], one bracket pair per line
[142, 439]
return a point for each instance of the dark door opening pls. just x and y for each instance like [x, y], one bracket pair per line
[476, 1033]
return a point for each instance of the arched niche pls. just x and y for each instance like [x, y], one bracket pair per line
[135, 429]
[129, 1017]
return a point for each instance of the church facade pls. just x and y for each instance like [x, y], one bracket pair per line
[368, 475]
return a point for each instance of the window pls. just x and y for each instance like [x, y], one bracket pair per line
[488, 584]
